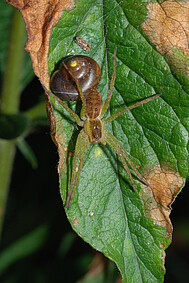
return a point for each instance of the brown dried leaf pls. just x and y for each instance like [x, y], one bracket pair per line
[40, 16]
[167, 26]
[164, 186]
[57, 137]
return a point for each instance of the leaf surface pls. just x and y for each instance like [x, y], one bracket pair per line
[105, 211]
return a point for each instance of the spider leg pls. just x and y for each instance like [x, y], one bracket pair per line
[81, 144]
[119, 113]
[72, 113]
[84, 106]
[107, 102]
[118, 148]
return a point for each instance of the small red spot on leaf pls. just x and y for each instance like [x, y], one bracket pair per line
[75, 222]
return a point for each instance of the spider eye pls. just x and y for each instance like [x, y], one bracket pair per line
[96, 132]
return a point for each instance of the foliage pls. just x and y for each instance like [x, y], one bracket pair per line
[108, 214]
[105, 211]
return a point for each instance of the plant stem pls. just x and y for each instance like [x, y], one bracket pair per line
[10, 100]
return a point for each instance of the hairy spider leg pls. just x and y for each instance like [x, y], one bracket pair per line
[81, 144]
[72, 113]
[108, 99]
[119, 113]
[115, 144]
[121, 152]
[84, 106]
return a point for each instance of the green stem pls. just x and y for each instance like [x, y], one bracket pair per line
[10, 100]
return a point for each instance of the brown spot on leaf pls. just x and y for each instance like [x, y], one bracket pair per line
[158, 197]
[60, 138]
[167, 26]
[75, 222]
[51, 118]
[70, 154]
[163, 257]
[138, 166]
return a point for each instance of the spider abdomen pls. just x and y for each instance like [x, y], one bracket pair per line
[93, 103]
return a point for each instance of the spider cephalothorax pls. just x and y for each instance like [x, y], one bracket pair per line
[77, 79]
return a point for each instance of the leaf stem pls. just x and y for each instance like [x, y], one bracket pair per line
[10, 99]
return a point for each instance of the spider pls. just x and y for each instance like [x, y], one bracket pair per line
[93, 127]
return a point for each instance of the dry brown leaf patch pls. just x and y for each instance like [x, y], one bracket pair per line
[167, 26]
[165, 184]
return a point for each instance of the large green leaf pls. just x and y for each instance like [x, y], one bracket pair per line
[105, 211]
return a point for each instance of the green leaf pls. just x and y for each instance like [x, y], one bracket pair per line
[27, 152]
[105, 211]
[12, 126]
[23, 247]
